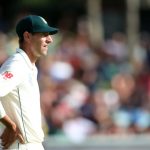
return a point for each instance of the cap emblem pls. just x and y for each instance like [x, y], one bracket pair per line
[43, 20]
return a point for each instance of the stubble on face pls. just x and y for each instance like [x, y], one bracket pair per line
[39, 46]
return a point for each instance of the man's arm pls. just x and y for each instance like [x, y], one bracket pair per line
[11, 132]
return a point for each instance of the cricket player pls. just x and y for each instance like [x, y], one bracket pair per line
[20, 112]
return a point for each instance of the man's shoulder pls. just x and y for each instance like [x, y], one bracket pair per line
[14, 58]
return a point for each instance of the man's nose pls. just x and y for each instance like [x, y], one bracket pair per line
[49, 39]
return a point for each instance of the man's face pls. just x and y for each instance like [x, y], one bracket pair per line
[39, 43]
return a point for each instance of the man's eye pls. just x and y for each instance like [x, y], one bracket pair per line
[45, 34]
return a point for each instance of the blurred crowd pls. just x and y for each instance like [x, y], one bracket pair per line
[88, 90]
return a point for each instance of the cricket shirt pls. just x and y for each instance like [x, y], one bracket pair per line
[19, 95]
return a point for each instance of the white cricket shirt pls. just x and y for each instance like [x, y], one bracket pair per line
[19, 95]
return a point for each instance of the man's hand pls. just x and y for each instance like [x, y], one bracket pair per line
[10, 134]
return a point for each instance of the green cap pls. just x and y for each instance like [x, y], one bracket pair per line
[34, 24]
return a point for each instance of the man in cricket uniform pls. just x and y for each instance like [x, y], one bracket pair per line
[20, 112]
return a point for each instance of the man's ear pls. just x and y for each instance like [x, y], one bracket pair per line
[26, 35]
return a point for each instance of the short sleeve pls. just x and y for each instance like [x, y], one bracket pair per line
[10, 76]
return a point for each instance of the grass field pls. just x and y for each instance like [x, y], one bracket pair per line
[141, 142]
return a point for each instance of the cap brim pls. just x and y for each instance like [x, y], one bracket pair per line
[48, 29]
[52, 30]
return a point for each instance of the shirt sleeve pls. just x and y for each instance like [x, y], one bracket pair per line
[10, 77]
[2, 111]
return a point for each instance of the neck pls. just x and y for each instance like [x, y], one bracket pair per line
[30, 54]
[32, 58]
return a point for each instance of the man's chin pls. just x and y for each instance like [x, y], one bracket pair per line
[44, 54]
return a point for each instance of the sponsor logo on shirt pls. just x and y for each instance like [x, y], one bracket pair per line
[7, 75]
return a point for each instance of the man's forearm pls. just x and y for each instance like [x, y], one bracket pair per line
[11, 133]
[7, 122]
[4, 118]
